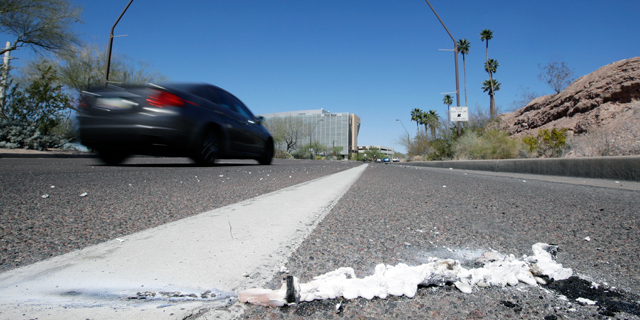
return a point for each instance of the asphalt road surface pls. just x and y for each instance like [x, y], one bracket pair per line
[391, 214]
[53, 206]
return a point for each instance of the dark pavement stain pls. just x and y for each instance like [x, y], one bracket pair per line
[609, 301]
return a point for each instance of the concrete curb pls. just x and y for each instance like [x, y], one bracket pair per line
[44, 155]
[616, 168]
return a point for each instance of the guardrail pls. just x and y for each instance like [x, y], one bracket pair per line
[616, 168]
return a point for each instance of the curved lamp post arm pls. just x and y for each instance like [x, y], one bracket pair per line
[106, 73]
[455, 52]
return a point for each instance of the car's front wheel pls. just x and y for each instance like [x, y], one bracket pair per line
[208, 148]
[267, 154]
[112, 157]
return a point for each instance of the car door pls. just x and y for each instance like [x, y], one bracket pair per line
[223, 109]
[238, 126]
[253, 130]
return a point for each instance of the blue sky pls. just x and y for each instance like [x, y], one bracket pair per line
[378, 59]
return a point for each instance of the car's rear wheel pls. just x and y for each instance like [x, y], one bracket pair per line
[112, 157]
[267, 155]
[207, 152]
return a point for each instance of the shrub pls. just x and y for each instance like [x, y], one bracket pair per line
[419, 145]
[14, 136]
[622, 140]
[493, 144]
[547, 143]
[442, 149]
[501, 146]
[281, 154]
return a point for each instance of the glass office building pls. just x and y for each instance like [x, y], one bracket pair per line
[333, 130]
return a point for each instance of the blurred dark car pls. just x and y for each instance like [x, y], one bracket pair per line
[200, 121]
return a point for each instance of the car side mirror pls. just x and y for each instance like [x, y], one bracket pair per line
[260, 119]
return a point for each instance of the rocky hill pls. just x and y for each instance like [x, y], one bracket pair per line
[604, 104]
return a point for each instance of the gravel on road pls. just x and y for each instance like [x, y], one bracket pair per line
[49, 207]
[395, 214]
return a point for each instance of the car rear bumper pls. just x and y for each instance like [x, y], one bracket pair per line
[161, 136]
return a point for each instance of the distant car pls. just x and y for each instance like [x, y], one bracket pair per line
[386, 160]
[396, 160]
[378, 160]
[200, 121]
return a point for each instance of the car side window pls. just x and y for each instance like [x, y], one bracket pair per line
[226, 100]
[207, 93]
[211, 94]
[242, 109]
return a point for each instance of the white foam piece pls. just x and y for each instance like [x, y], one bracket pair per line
[403, 280]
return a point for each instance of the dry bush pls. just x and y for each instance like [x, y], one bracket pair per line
[622, 139]
[492, 144]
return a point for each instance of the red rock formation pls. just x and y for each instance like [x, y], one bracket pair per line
[604, 97]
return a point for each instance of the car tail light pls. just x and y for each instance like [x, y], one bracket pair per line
[165, 99]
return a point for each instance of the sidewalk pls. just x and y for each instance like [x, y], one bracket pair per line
[50, 153]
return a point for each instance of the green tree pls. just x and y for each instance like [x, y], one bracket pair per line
[35, 116]
[491, 86]
[433, 119]
[463, 47]
[557, 76]
[39, 24]
[491, 67]
[287, 132]
[487, 35]
[415, 116]
[82, 67]
[424, 120]
[42, 102]
[448, 100]
[374, 153]
[309, 150]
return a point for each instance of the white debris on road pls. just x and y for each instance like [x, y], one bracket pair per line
[84, 194]
[585, 301]
[404, 280]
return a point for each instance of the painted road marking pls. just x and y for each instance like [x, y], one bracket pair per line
[225, 250]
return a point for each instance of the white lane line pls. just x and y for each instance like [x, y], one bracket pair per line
[208, 251]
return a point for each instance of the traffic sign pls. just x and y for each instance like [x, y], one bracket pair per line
[459, 113]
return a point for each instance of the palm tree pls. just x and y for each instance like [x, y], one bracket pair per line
[448, 100]
[415, 116]
[463, 47]
[491, 67]
[491, 85]
[487, 35]
[433, 119]
[424, 120]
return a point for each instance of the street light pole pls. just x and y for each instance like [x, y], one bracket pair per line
[408, 136]
[405, 129]
[106, 74]
[455, 52]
